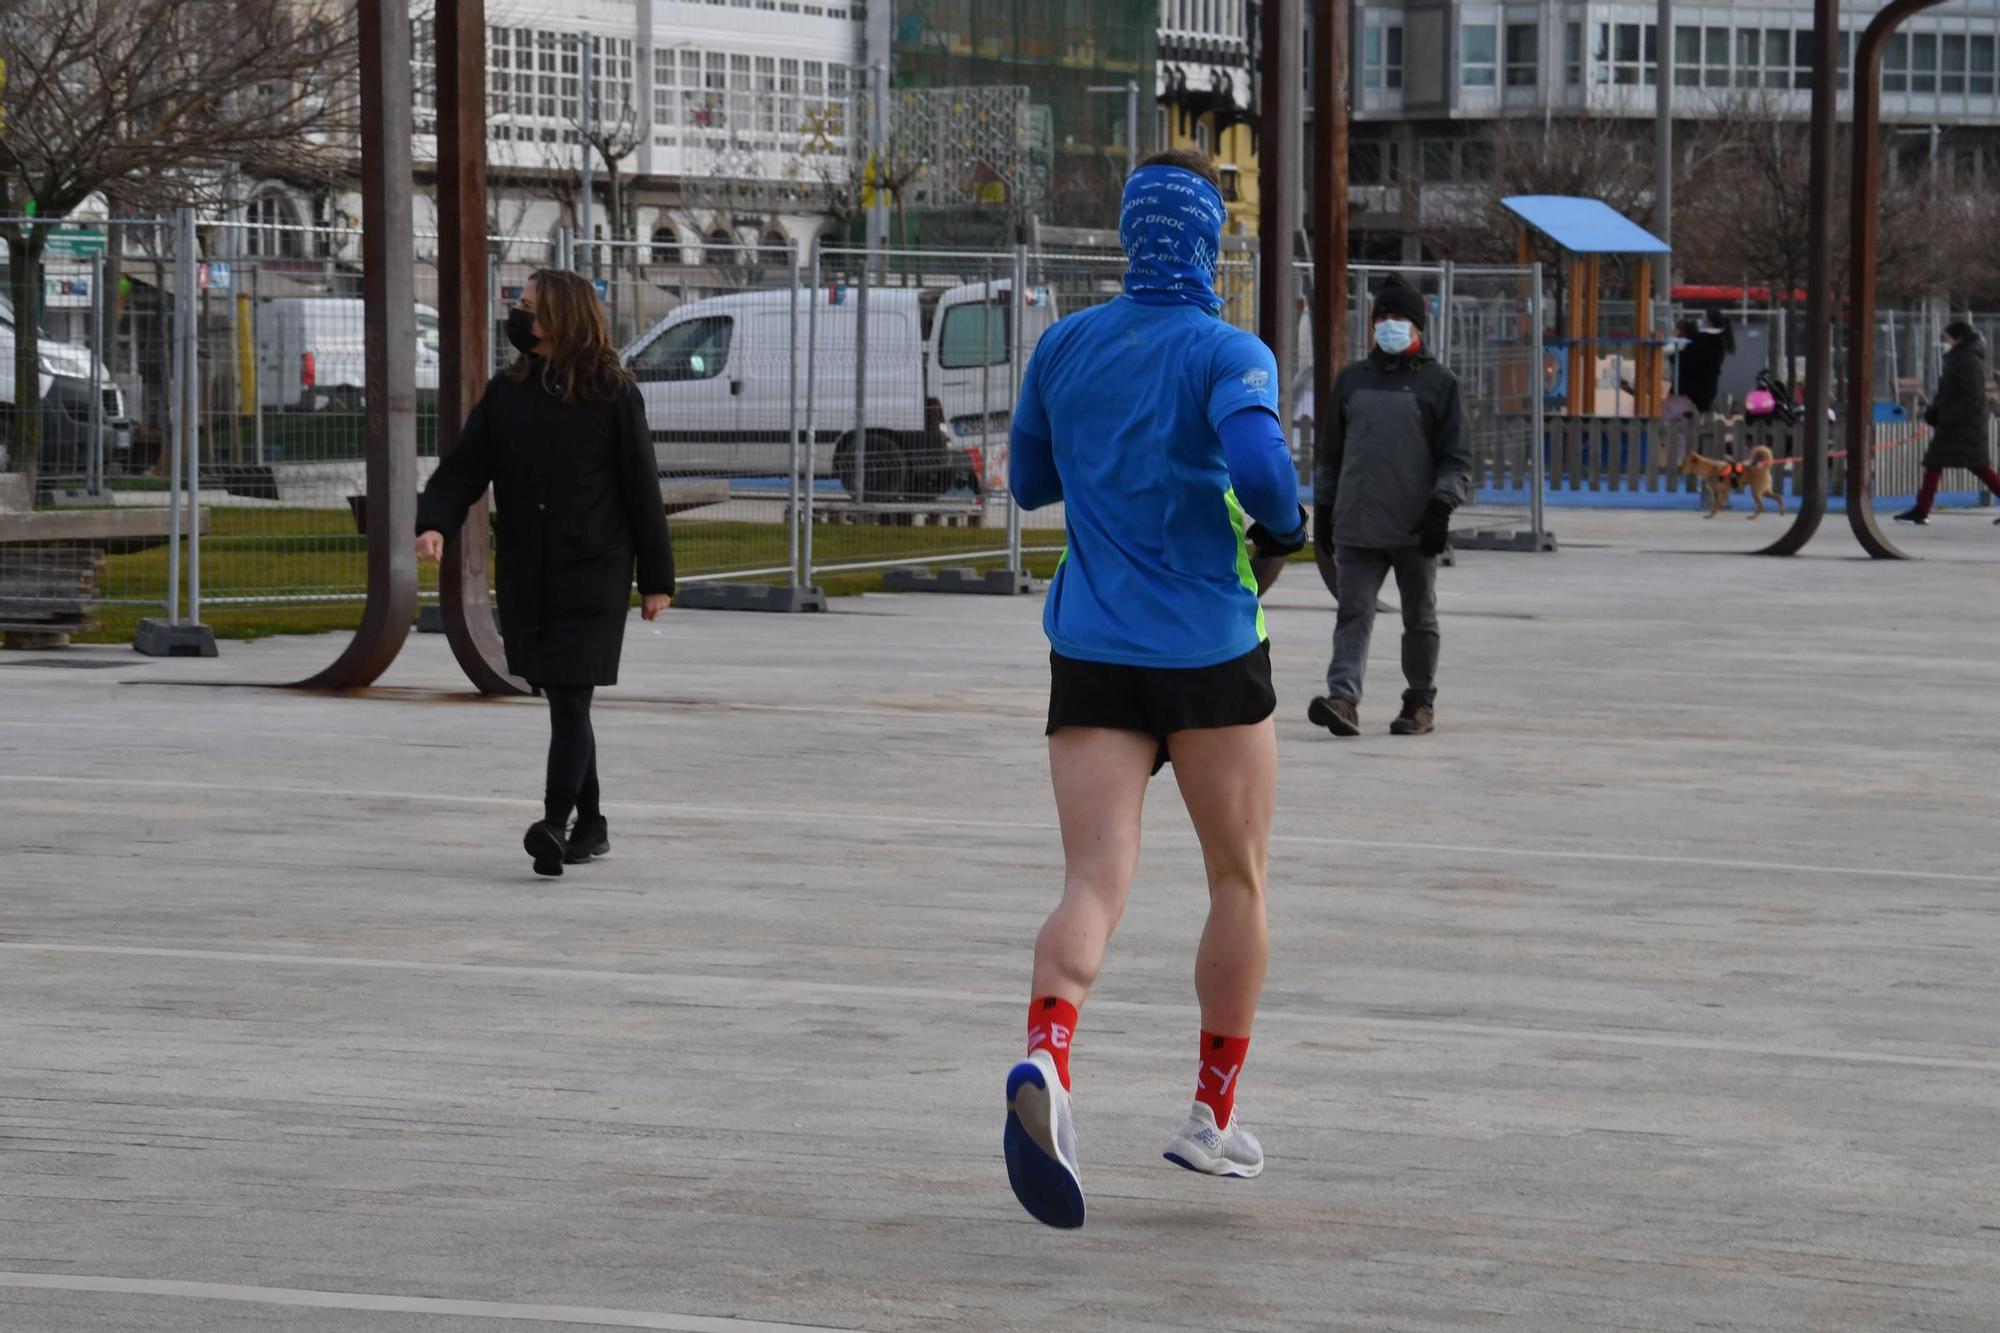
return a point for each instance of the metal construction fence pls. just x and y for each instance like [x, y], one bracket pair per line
[202, 424]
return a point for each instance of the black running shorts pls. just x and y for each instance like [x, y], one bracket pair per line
[1160, 701]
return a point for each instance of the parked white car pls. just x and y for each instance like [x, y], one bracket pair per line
[310, 352]
[718, 379]
[65, 370]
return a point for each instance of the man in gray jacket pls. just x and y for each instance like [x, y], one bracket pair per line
[1391, 464]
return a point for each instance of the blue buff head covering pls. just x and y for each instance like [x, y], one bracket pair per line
[1171, 226]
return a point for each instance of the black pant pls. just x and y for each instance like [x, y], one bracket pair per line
[572, 778]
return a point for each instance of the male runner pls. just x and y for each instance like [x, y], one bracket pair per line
[1156, 425]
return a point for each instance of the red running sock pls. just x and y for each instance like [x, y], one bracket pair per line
[1051, 1024]
[1215, 1075]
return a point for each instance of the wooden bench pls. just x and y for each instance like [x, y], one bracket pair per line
[49, 561]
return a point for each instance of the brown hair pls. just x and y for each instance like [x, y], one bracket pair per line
[582, 365]
[1187, 159]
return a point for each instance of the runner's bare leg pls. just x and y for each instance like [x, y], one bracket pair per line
[1228, 777]
[1100, 779]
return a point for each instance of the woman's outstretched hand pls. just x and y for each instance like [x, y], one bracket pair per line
[653, 603]
[430, 546]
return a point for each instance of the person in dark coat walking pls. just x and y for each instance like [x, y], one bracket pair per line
[561, 436]
[1709, 345]
[1957, 418]
[1392, 464]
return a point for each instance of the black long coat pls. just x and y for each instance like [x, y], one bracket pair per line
[576, 494]
[1701, 369]
[1958, 413]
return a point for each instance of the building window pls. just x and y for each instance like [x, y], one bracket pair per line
[1633, 53]
[1982, 61]
[1364, 163]
[666, 98]
[666, 246]
[1923, 62]
[1382, 56]
[1896, 64]
[1523, 39]
[788, 96]
[273, 232]
[713, 113]
[1573, 54]
[423, 78]
[1687, 57]
[1476, 65]
[1952, 81]
[766, 94]
[1437, 161]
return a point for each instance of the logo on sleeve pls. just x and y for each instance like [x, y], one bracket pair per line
[1256, 379]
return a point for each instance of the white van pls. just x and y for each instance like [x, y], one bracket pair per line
[310, 352]
[717, 376]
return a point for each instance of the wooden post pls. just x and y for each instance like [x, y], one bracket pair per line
[1646, 357]
[1577, 350]
[1592, 269]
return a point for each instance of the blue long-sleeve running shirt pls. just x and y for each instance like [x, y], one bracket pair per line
[1156, 425]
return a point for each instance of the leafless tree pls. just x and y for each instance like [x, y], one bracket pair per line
[144, 100]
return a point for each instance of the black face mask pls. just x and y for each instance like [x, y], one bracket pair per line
[521, 331]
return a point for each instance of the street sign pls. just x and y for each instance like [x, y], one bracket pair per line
[76, 242]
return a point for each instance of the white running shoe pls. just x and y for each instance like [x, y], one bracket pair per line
[1040, 1143]
[1200, 1146]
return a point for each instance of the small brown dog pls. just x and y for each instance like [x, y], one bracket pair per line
[1722, 478]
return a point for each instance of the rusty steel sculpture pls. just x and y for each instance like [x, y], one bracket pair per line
[388, 288]
[1864, 200]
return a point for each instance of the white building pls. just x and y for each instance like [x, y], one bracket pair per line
[728, 119]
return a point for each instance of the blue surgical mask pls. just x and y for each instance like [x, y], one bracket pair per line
[1394, 336]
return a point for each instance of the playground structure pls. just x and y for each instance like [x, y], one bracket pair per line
[1587, 231]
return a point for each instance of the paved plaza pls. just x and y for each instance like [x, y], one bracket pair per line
[1657, 990]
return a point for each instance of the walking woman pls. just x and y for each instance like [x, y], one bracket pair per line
[1709, 345]
[1156, 425]
[1957, 418]
[561, 436]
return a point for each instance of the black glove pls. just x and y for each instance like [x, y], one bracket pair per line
[1435, 533]
[1930, 415]
[1269, 547]
[1323, 528]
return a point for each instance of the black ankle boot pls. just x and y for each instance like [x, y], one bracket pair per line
[545, 842]
[591, 837]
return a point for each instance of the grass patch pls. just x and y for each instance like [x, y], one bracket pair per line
[275, 554]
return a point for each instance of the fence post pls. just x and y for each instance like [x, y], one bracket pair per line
[792, 424]
[177, 409]
[94, 470]
[858, 442]
[803, 516]
[1017, 311]
[191, 455]
[257, 370]
[173, 637]
[1444, 313]
[1537, 462]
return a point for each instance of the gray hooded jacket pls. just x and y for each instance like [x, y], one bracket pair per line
[1394, 440]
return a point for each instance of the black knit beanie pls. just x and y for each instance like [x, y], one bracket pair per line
[1398, 300]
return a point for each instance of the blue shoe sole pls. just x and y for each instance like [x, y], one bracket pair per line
[1186, 1165]
[1045, 1187]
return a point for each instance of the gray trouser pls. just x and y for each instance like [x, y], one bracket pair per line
[1360, 578]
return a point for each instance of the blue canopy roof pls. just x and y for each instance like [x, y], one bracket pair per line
[1585, 226]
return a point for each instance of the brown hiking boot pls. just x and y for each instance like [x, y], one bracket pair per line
[1416, 719]
[1338, 716]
